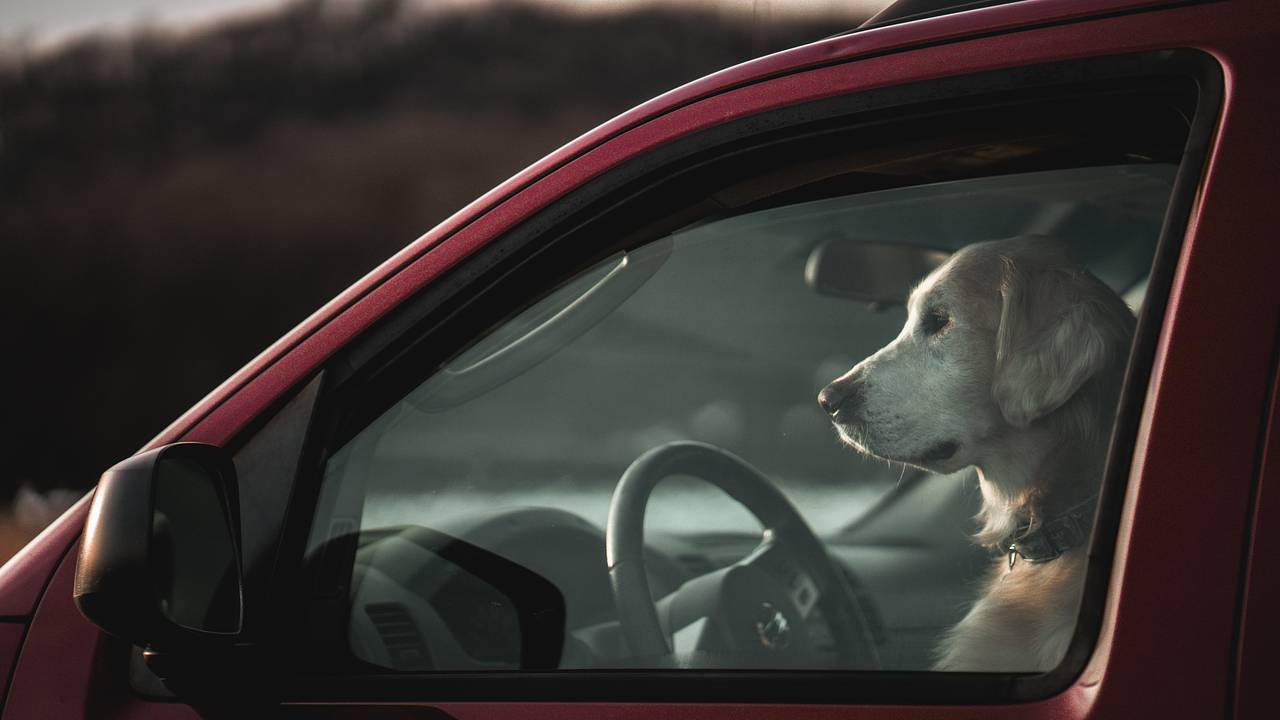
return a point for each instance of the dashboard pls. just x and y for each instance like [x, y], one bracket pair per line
[414, 609]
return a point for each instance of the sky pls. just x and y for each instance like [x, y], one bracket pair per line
[44, 22]
[51, 20]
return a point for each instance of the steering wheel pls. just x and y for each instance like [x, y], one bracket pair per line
[760, 609]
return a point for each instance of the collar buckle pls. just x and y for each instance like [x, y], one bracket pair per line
[1038, 542]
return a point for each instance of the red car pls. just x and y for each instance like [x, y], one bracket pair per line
[439, 496]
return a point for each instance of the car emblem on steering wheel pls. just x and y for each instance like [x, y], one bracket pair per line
[772, 628]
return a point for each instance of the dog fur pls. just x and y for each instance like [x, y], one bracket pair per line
[1010, 361]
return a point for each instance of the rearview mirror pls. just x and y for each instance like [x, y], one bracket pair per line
[159, 562]
[879, 273]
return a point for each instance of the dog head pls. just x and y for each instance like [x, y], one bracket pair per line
[1005, 347]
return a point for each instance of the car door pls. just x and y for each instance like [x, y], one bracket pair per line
[1257, 627]
[461, 431]
[980, 108]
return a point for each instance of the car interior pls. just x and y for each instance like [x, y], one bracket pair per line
[633, 471]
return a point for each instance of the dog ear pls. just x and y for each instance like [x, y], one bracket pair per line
[1052, 339]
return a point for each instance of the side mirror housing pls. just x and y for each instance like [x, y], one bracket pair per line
[159, 562]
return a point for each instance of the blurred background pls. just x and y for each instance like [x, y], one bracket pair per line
[183, 181]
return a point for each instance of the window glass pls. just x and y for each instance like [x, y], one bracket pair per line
[783, 528]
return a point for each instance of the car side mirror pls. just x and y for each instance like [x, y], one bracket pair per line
[159, 561]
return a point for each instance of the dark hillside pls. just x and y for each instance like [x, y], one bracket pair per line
[171, 205]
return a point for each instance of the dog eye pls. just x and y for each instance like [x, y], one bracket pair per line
[934, 321]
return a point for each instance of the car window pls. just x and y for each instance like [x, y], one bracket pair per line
[812, 391]
[638, 470]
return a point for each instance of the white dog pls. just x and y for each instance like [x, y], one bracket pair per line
[1010, 361]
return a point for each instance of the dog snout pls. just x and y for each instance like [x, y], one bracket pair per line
[841, 396]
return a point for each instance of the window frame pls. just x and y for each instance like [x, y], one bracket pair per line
[383, 347]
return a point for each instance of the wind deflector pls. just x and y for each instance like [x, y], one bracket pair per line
[907, 10]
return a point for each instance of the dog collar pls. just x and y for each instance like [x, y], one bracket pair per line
[1048, 540]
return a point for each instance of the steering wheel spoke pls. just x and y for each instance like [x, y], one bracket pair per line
[773, 557]
[757, 610]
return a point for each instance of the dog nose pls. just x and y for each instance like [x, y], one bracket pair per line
[841, 396]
